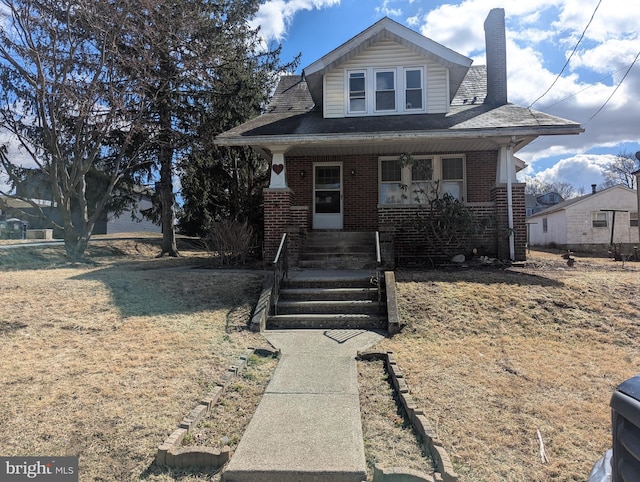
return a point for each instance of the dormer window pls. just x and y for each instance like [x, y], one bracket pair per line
[384, 91]
[357, 97]
[413, 89]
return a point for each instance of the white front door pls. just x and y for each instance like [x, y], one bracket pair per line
[327, 196]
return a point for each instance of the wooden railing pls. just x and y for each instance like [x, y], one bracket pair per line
[280, 272]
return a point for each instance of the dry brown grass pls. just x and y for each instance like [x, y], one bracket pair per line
[389, 439]
[104, 360]
[492, 356]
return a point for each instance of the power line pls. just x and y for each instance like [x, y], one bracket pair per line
[570, 56]
[617, 86]
[590, 86]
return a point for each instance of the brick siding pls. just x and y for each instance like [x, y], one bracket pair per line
[290, 210]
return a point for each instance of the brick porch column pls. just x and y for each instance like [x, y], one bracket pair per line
[277, 217]
[499, 196]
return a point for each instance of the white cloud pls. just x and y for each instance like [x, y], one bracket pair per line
[581, 171]
[275, 16]
[386, 10]
[541, 35]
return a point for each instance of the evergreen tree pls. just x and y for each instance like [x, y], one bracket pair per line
[221, 182]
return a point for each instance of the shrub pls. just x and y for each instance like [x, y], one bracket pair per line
[233, 241]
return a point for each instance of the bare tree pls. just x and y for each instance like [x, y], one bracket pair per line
[620, 170]
[538, 187]
[63, 97]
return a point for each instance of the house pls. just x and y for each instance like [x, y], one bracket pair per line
[589, 223]
[535, 204]
[41, 214]
[337, 137]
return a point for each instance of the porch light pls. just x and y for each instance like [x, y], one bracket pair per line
[303, 174]
[353, 172]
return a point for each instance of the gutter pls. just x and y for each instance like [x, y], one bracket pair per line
[341, 138]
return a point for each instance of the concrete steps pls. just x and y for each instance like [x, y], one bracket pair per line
[334, 287]
[338, 250]
[326, 299]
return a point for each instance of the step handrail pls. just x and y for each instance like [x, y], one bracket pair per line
[379, 269]
[280, 271]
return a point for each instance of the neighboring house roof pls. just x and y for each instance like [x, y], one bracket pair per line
[535, 204]
[576, 200]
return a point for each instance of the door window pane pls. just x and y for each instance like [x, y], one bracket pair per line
[327, 202]
[328, 177]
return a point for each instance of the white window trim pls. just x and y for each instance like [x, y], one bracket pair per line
[423, 87]
[348, 91]
[375, 91]
[408, 198]
[370, 90]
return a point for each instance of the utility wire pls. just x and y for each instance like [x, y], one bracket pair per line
[590, 86]
[615, 90]
[570, 56]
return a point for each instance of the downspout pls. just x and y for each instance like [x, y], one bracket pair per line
[510, 169]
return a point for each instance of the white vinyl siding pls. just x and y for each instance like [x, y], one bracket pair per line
[387, 55]
[573, 225]
[437, 89]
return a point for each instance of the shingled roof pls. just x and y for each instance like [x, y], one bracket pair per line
[292, 113]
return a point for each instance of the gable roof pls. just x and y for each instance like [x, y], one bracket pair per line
[386, 29]
[576, 200]
[293, 121]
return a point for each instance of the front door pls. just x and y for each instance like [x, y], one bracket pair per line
[327, 196]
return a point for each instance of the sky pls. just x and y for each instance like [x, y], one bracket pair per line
[575, 59]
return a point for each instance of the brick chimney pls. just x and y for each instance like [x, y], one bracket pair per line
[496, 45]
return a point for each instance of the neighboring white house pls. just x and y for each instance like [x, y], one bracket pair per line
[126, 223]
[585, 223]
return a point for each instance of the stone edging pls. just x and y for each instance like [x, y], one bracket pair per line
[172, 454]
[422, 428]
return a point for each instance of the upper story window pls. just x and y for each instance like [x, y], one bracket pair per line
[381, 91]
[413, 89]
[422, 180]
[357, 92]
[385, 90]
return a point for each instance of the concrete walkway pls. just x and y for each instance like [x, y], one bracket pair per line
[307, 426]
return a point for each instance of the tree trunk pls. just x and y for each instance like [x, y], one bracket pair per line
[165, 157]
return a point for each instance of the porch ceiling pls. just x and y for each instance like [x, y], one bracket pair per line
[381, 148]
